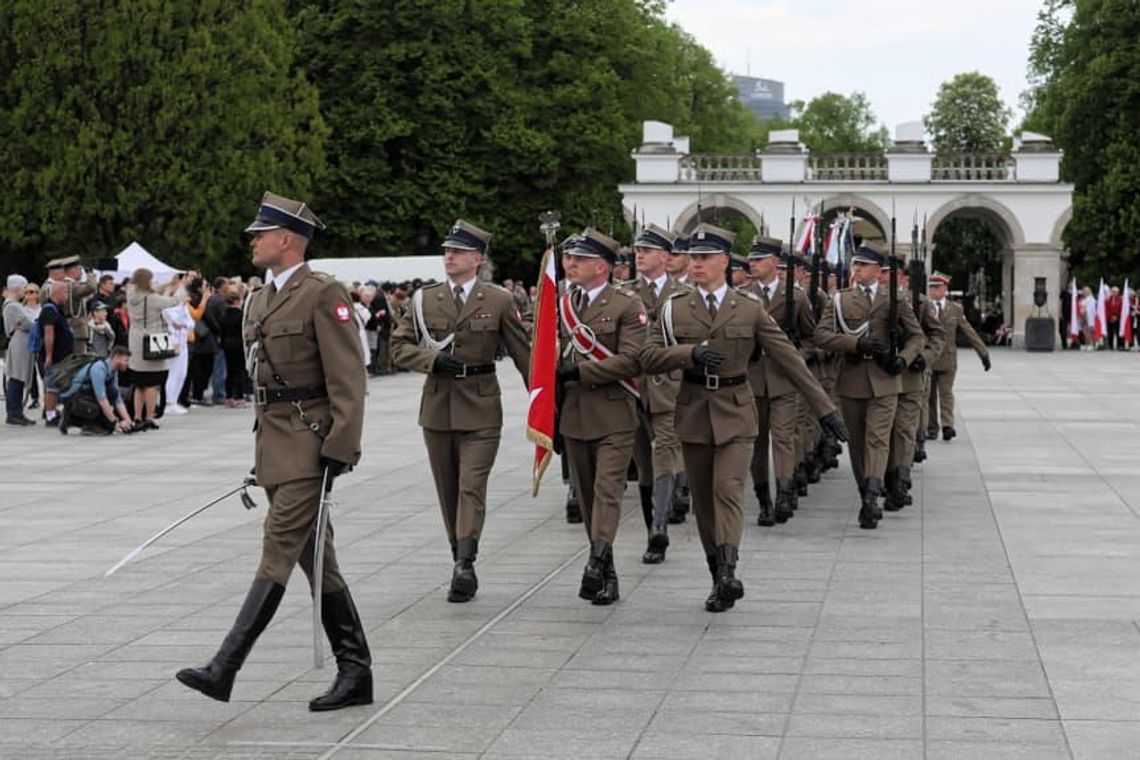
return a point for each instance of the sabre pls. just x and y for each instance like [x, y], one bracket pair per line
[319, 566]
[246, 501]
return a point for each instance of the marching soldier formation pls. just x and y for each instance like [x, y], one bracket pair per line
[696, 381]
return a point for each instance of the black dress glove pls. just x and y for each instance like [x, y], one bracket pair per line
[986, 363]
[567, 371]
[708, 356]
[868, 346]
[919, 364]
[832, 423]
[334, 467]
[446, 364]
[895, 365]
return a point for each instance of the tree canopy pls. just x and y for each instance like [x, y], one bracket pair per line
[834, 123]
[968, 115]
[1085, 94]
[164, 122]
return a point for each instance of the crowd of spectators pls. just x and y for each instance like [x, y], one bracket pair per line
[93, 345]
[1085, 335]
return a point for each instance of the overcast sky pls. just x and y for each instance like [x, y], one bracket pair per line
[896, 51]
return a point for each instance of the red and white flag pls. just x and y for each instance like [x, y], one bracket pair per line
[1100, 329]
[1075, 311]
[805, 243]
[1126, 313]
[540, 413]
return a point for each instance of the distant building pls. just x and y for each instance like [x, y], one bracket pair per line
[764, 96]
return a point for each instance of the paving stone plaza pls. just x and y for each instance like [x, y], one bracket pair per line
[996, 618]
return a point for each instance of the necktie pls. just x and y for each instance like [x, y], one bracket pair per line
[272, 292]
[938, 309]
[766, 294]
[581, 299]
[458, 289]
[870, 294]
[653, 288]
[711, 298]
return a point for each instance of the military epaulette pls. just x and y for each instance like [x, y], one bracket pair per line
[324, 277]
[747, 293]
[431, 285]
[632, 284]
[497, 286]
[625, 292]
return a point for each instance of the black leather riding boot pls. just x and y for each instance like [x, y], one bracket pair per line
[871, 512]
[920, 445]
[216, 679]
[353, 684]
[609, 593]
[713, 603]
[659, 530]
[573, 506]
[681, 499]
[464, 584]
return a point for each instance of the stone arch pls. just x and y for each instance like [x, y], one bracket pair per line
[982, 207]
[687, 219]
[845, 201]
[1059, 227]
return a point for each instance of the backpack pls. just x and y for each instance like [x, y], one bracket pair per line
[61, 375]
[36, 334]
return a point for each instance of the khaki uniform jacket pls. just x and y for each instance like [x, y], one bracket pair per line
[953, 320]
[658, 392]
[75, 308]
[935, 340]
[742, 329]
[597, 405]
[766, 377]
[489, 315]
[861, 377]
[306, 334]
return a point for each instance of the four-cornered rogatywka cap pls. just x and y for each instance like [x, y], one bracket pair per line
[63, 263]
[464, 236]
[765, 247]
[655, 237]
[277, 212]
[707, 238]
[869, 253]
[592, 244]
[937, 278]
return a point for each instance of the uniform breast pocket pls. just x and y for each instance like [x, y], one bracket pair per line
[482, 325]
[286, 328]
[687, 334]
[604, 328]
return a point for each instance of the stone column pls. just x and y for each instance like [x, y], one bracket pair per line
[1007, 286]
[1029, 263]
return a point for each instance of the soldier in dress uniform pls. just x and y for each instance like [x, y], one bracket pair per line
[712, 332]
[776, 396]
[81, 285]
[451, 334]
[856, 322]
[677, 267]
[309, 383]
[658, 456]
[573, 505]
[912, 398]
[945, 367]
[603, 332]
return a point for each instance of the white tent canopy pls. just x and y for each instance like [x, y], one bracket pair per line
[135, 256]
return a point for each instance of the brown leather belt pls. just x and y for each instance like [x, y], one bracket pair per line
[265, 396]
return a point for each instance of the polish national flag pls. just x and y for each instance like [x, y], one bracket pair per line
[1126, 313]
[1100, 329]
[540, 414]
[806, 241]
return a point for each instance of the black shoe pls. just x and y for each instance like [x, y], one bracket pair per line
[729, 588]
[150, 425]
[767, 516]
[609, 592]
[920, 447]
[658, 543]
[19, 421]
[54, 421]
[216, 679]
[464, 584]
[714, 603]
[893, 500]
[353, 684]
[785, 500]
[800, 480]
[573, 507]
[593, 577]
[948, 433]
[870, 513]
[812, 468]
[96, 430]
[932, 434]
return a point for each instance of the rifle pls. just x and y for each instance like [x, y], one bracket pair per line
[915, 268]
[790, 283]
[893, 313]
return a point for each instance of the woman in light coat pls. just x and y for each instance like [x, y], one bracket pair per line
[179, 323]
[18, 365]
[144, 307]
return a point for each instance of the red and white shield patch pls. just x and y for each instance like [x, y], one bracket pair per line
[343, 313]
[642, 318]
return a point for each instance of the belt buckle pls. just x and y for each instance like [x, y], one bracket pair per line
[712, 382]
[462, 374]
[259, 397]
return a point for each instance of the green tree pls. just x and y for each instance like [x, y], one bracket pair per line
[149, 120]
[968, 116]
[1085, 94]
[834, 123]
